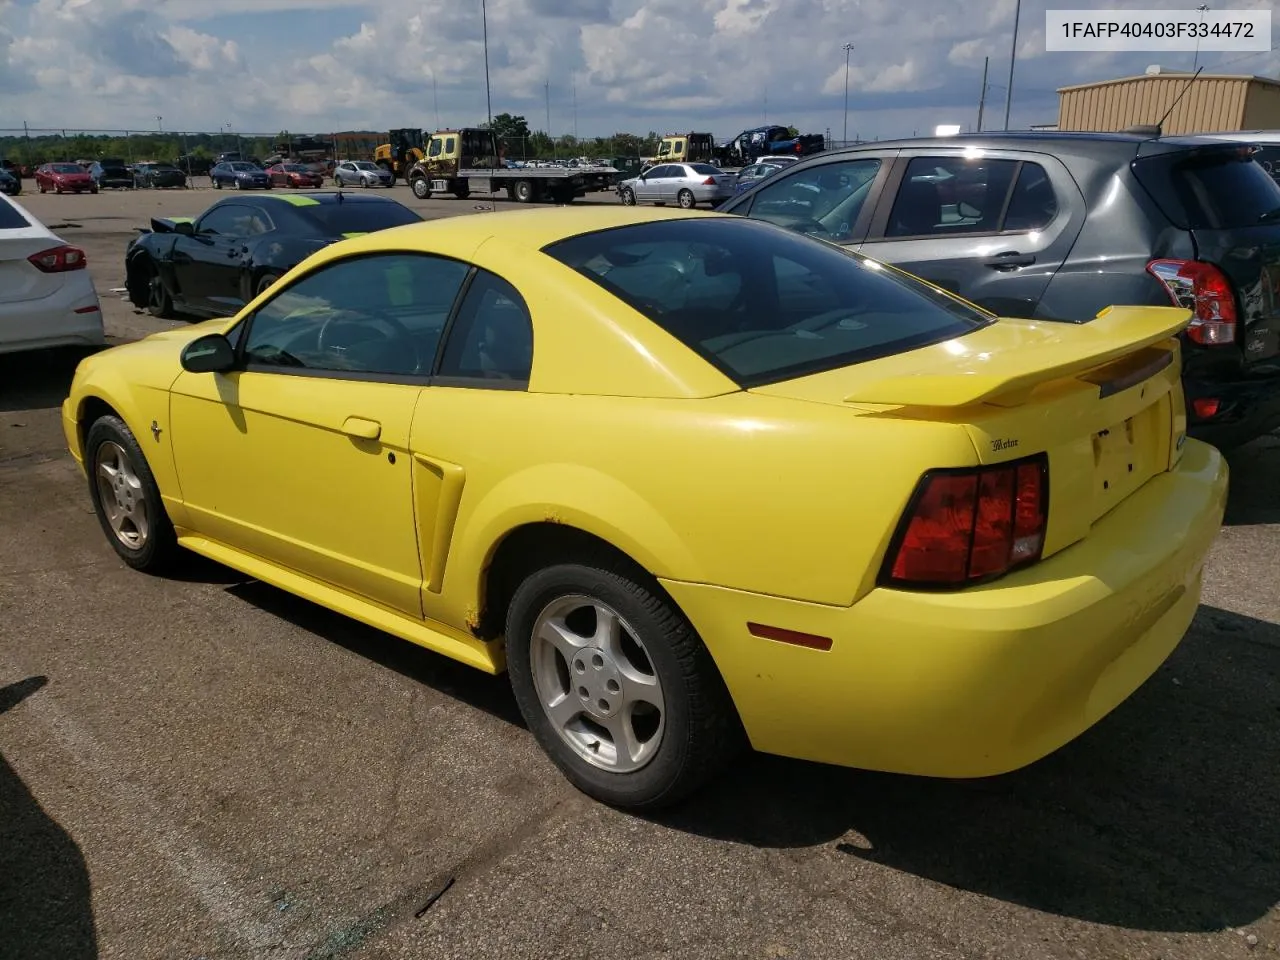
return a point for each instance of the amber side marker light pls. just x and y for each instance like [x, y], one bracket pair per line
[793, 637]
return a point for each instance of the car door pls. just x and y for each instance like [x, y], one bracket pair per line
[207, 264]
[301, 454]
[833, 199]
[676, 179]
[992, 226]
[645, 185]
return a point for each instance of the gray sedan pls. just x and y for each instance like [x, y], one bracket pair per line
[687, 184]
[362, 173]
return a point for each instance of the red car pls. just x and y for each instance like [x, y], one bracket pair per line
[293, 175]
[64, 177]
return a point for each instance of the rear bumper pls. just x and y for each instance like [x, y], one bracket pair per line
[986, 680]
[52, 321]
[1248, 410]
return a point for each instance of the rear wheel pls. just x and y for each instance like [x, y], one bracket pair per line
[686, 199]
[265, 281]
[615, 684]
[126, 497]
[461, 190]
[159, 303]
[523, 191]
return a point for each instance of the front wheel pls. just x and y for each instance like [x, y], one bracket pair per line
[126, 498]
[685, 197]
[421, 188]
[217, 184]
[628, 197]
[616, 686]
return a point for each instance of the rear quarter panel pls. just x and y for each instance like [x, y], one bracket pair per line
[776, 496]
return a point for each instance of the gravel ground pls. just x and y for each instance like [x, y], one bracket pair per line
[210, 768]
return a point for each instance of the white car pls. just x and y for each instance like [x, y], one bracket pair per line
[47, 297]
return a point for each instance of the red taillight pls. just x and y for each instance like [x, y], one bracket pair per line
[58, 259]
[1205, 408]
[1204, 290]
[709, 182]
[966, 526]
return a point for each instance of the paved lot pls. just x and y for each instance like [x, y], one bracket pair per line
[209, 768]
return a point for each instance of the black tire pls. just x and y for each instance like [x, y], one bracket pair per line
[159, 552]
[265, 281]
[461, 191]
[701, 733]
[421, 188]
[686, 199]
[523, 191]
[159, 303]
[217, 184]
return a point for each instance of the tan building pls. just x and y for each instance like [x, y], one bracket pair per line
[1213, 102]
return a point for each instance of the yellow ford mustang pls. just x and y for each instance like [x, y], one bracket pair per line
[693, 480]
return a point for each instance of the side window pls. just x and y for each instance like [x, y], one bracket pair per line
[227, 220]
[824, 200]
[450, 144]
[1033, 204]
[940, 196]
[1269, 157]
[380, 314]
[492, 337]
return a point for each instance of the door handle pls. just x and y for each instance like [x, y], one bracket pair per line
[1010, 260]
[362, 429]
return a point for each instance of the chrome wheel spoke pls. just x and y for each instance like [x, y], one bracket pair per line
[557, 633]
[564, 710]
[121, 496]
[626, 747]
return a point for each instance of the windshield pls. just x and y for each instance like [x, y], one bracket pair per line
[293, 168]
[243, 167]
[335, 219]
[67, 168]
[365, 165]
[761, 303]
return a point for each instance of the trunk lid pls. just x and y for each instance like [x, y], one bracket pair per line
[1102, 399]
[1230, 205]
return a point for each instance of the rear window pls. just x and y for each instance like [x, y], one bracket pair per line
[705, 169]
[761, 303]
[1269, 157]
[11, 217]
[338, 218]
[1218, 190]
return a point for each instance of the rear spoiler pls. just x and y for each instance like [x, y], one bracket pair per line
[1116, 332]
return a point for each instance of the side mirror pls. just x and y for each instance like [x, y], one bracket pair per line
[211, 353]
[185, 228]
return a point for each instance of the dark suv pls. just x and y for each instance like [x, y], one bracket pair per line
[1057, 226]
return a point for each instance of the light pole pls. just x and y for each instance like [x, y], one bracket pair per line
[159, 125]
[1013, 56]
[488, 96]
[848, 49]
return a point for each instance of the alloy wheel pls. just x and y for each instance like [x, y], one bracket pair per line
[597, 684]
[121, 493]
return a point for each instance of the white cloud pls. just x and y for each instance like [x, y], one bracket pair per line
[637, 64]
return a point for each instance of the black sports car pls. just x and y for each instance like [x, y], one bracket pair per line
[158, 175]
[9, 182]
[213, 264]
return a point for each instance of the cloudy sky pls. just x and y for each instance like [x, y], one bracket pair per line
[636, 65]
